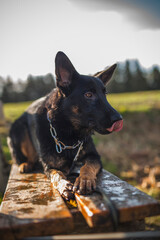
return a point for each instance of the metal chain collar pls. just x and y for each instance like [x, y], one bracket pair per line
[60, 146]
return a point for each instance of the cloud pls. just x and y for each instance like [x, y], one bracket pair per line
[145, 14]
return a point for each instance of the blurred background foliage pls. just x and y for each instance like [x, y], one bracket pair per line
[129, 76]
[25, 90]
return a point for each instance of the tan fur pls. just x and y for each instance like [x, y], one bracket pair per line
[87, 178]
[75, 109]
[29, 152]
[25, 167]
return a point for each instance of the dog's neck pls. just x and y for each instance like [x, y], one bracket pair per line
[66, 132]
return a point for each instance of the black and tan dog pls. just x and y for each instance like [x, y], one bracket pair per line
[56, 129]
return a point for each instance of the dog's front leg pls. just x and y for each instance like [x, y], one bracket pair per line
[61, 183]
[86, 182]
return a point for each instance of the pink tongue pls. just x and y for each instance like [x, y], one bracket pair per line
[116, 127]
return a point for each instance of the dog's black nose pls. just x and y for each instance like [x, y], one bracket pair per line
[115, 117]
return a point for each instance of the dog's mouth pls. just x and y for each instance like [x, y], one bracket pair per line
[91, 124]
[116, 126]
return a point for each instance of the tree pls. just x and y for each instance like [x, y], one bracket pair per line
[8, 94]
[1, 86]
[38, 86]
[116, 84]
[139, 82]
[155, 76]
[2, 119]
[127, 78]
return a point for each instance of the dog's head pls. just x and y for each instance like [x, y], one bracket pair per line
[84, 102]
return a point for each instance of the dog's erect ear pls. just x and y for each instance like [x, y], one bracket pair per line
[64, 70]
[106, 75]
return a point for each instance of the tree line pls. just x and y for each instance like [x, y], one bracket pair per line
[131, 77]
[128, 77]
[31, 89]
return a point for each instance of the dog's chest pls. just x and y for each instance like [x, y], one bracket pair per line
[64, 159]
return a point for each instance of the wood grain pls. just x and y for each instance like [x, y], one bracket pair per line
[31, 206]
[130, 203]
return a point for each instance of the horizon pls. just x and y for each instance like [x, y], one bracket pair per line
[93, 34]
[132, 69]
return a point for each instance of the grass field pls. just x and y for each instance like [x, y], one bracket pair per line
[14, 110]
[123, 102]
[131, 154]
[135, 102]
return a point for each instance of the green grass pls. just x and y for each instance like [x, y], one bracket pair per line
[1, 198]
[5, 148]
[123, 102]
[111, 167]
[135, 102]
[13, 110]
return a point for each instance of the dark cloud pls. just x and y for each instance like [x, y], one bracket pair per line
[144, 13]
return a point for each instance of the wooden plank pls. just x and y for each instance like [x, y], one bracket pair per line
[31, 207]
[119, 235]
[131, 203]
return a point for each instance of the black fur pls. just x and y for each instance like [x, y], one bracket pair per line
[76, 108]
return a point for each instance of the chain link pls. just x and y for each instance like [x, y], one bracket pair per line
[60, 146]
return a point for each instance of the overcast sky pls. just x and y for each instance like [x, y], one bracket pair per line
[94, 34]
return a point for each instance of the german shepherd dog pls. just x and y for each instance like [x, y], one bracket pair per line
[56, 130]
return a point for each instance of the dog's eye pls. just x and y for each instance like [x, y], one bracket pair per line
[89, 95]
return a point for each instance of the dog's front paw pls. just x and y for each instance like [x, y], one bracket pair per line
[84, 184]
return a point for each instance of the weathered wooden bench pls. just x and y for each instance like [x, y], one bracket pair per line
[31, 207]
